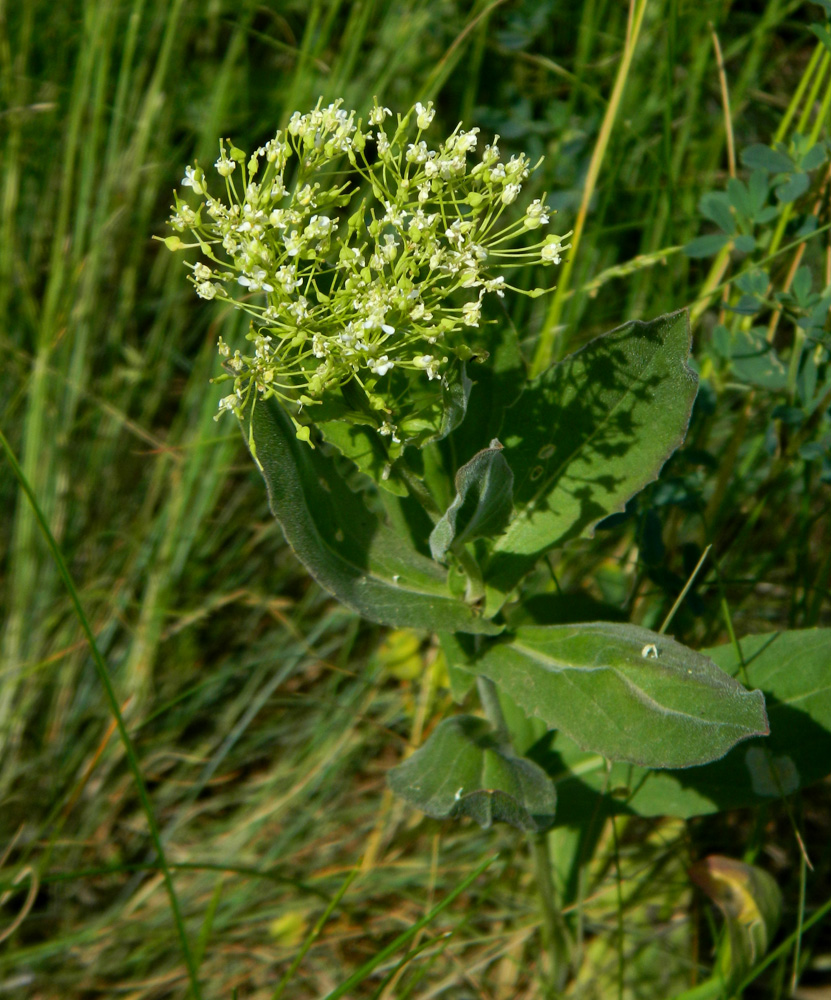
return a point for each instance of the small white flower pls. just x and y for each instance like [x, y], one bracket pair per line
[202, 272]
[389, 430]
[509, 194]
[299, 309]
[293, 244]
[287, 277]
[471, 313]
[205, 290]
[466, 141]
[454, 233]
[394, 215]
[424, 116]
[306, 196]
[382, 142]
[378, 114]
[418, 153]
[536, 215]
[550, 253]
[389, 250]
[429, 364]
[225, 166]
[256, 282]
[229, 404]
[380, 366]
[193, 179]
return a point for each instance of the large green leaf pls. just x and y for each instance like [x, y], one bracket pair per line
[345, 547]
[465, 770]
[793, 670]
[587, 435]
[482, 505]
[625, 692]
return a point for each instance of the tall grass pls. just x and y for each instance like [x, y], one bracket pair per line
[262, 720]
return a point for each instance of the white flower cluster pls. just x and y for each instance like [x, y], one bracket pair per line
[362, 253]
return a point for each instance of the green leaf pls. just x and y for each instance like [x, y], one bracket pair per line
[755, 361]
[822, 33]
[815, 157]
[792, 670]
[739, 198]
[361, 444]
[745, 243]
[765, 158]
[706, 246]
[482, 505]
[465, 770]
[497, 383]
[794, 187]
[625, 692]
[345, 547]
[715, 206]
[758, 191]
[587, 435]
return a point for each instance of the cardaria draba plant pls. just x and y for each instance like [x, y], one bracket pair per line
[363, 254]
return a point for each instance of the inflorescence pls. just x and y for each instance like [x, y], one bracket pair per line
[360, 252]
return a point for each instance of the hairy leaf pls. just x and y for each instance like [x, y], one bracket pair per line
[793, 670]
[625, 692]
[482, 505]
[587, 435]
[465, 770]
[345, 547]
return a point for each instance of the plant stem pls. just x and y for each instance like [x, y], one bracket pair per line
[555, 933]
[417, 490]
[475, 584]
[489, 697]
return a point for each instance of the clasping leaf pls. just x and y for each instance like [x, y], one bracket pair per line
[464, 769]
[482, 505]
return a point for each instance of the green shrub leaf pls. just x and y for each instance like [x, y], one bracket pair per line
[587, 435]
[465, 770]
[482, 505]
[765, 158]
[345, 547]
[706, 246]
[625, 692]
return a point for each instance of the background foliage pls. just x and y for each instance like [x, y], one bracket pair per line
[264, 715]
